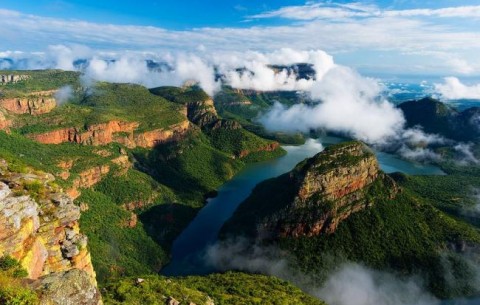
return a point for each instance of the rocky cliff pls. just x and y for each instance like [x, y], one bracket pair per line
[35, 103]
[12, 78]
[4, 122]
[202, 113]
[317, 195]
[33, 106]
[114, 131]
[39, 225]
[439, 118]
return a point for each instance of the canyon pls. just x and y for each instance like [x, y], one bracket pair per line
[316, 196]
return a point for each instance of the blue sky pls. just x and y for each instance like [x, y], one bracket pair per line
[185, 14]
[402, 36]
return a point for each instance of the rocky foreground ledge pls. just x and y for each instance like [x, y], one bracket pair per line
[39, 228]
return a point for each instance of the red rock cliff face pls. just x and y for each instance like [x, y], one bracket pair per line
[87, 178]
[40, 230]
[35, 103]
[113, 131]
[329, 188]
[152, 138]
[97, 134]
[270, 147]
[4, 123]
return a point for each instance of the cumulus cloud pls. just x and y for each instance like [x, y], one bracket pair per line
[418, 154]
[415, 145]
[417, 137]
[342, 100]
[349, 103]
[63, 95]
[454, 89]
[65, 56]
[467, 155]
[257, 73]
[348, 284]
[373, 32]
[355, 284]
[473, 210]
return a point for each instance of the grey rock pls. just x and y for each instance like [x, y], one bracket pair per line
[73, 287]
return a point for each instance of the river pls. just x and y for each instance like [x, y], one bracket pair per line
[188, 248]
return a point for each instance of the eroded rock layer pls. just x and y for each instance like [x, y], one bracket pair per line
[39, 225]
[114, 131]
[316, 196]
[330, 187]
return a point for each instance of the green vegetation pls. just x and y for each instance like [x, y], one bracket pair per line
[191, 167]
[405, 235]
[181, 95]
[134, 187]
[40, 80]
[239, 142]
[410, 234]
[438, 118]
[20, 152]
[107, 102]
[224, 289]
[245, 106]
[12, 290]
[162, 192]
[117, 250]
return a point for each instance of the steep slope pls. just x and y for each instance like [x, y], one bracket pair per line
[338, 206]
[139, 165]
[316, 196]
[39, 227]
[437, 117]
[226, 135]
[120, 113]
[246, 106]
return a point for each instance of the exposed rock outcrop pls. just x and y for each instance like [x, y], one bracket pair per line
[114, 131]
[317, 195]
[69, 287]
[152, 138]
[269, 147]
[87, 178]
[96, 134]
[4, 122]
[30, 105]
[202, 113]
[39, 225]
[330, 187]
[12, 78]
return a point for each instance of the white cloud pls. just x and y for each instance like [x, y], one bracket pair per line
[349, 103]
[63, 95]
[349, 284]
[467, 155]
[417, 137]
[259, 76]
[418, 154]
[453, 89]
[318, 10]
[351, 36]
[64, 56]
[343, 100]
[472, 11]
[334, 10]
[355, 284]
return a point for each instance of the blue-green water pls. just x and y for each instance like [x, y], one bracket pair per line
[188, 248]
